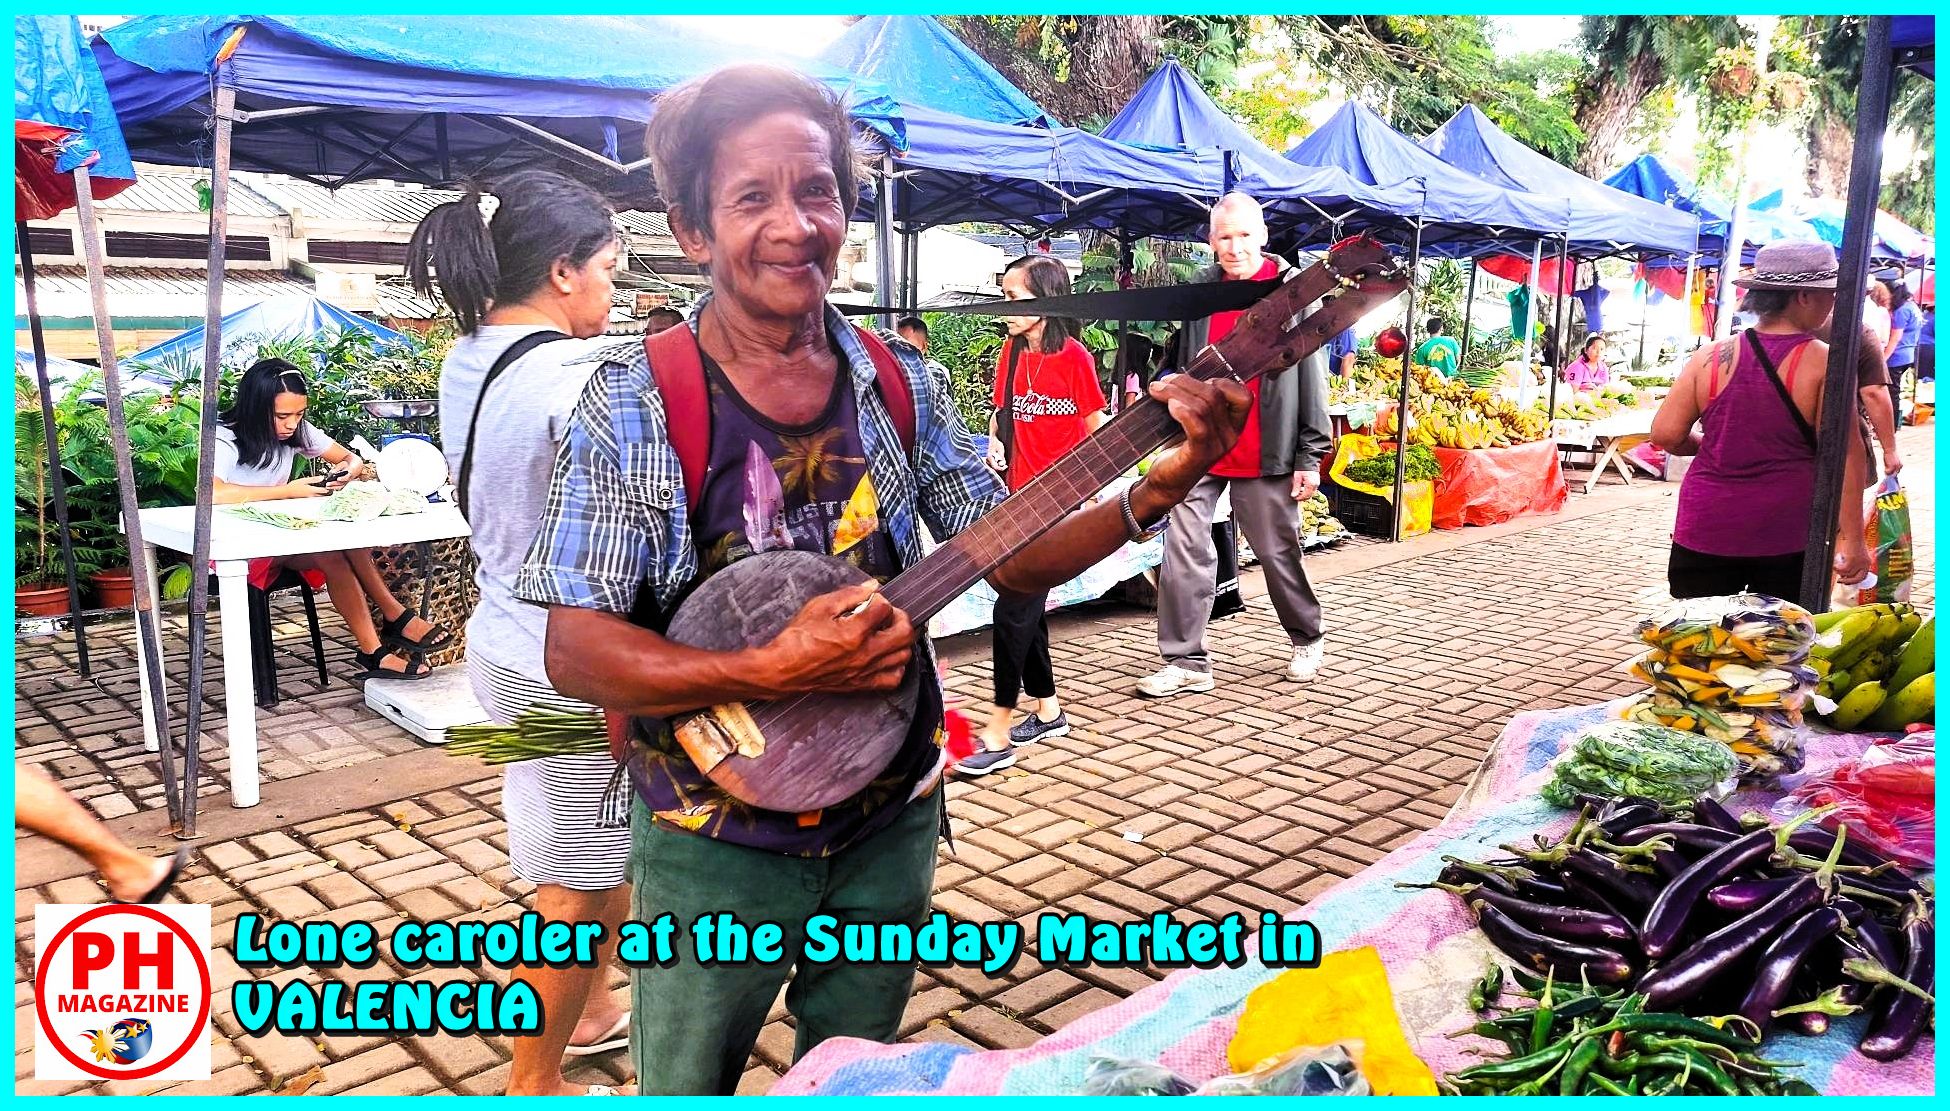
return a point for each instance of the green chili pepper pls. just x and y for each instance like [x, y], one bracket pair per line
[1540, 1024]
[1487, 989]
[1579, 1064]
[1607, 1086]
[1721, 1082]
[1518, 1066]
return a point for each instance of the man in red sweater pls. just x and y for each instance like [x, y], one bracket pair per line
[1274, 466]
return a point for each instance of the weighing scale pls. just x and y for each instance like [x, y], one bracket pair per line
[428, 707]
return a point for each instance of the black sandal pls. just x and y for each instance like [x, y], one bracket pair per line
[394, 634]
[410, 673]
[161, 891]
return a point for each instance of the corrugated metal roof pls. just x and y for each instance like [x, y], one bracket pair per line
[160, 189]
[365, 203]
[62, 291]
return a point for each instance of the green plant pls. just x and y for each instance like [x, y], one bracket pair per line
[1420, 465]
[967, 346]
[37, 539]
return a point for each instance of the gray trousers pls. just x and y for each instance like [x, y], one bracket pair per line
[1265, 511]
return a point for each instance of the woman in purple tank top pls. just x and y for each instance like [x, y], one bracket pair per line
[1744, 505]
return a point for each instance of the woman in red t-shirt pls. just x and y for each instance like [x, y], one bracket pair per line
[1052, 404]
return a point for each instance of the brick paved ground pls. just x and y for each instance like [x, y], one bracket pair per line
[1258, 795]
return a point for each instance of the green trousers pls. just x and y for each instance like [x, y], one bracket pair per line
[693, 1027]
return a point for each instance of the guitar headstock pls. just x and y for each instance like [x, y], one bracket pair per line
[1359, 272]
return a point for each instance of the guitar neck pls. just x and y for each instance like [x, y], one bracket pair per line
[945, 573]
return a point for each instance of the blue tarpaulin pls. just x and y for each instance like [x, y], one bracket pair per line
[1894, 241]
[275, 318]
[1360, 143]
[62, 119]
[1913, 38]
[424, 98]
[921, 63]
[1603, 220]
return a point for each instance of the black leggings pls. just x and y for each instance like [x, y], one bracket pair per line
[1692, 574]
[1022, 664]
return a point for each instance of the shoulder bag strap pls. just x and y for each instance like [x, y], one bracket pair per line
[895, 392]
[1787, 399]
[1005, 424]
[515, 351]
[677, 366]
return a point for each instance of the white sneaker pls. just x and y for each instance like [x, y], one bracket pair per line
[1172, 679]
[1306, 662]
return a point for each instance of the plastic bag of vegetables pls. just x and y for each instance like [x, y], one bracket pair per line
[1767, 742]
[1756, 628]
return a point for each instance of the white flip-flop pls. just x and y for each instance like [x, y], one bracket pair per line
[616, 1037]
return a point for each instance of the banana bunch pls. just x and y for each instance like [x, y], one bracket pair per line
[1877, 665]
[1317, 525]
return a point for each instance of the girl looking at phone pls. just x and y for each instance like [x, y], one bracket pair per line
[258, 440]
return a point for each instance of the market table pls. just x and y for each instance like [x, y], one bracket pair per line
[1608, 437]
[1432, 951]
[234, 542]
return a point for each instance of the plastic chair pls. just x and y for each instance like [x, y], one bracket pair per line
[264, 657]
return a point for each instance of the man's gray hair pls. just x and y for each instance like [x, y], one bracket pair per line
[1239, 202]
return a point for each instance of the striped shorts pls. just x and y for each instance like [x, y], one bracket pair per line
[553, 805]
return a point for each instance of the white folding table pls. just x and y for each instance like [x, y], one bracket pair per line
[234, 542]
[1608, 438]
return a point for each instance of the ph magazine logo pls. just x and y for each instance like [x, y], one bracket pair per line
[122, 992]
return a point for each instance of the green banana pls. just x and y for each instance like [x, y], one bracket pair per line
[1857, 705]
[1827, 621]
[1918, 657]
[1876, 665]
[1911, 622]
[1834, 686]
[1840, 643]
[1914, 703]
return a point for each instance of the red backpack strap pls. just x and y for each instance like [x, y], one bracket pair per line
[678, 369]
[895, 393]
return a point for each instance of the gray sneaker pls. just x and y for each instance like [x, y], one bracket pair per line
[985, 761]
[1032, 729]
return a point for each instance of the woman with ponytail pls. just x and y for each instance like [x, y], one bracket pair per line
[526, 287]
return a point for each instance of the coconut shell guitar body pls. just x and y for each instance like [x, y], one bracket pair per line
[808, 752]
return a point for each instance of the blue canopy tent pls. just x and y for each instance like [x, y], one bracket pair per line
[922, 64]
[68, 152]
[1602, 220]
[1466, 214]
[1649, 177]
[1171, 113]
[296, 316]
[428, 99]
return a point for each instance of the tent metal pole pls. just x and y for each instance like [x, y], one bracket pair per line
[148, 630]
[1838, 436]
[51, 436]
[1469, 302]
[1530, 303]
[883, 238]
[1692, 267]
[1645, 311]
[1408, 377]
[224, 103]
[1120, 367]
[1561, 314]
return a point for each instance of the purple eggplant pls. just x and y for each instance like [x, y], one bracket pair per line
[1548, 954]
[1625, 890]
[1629, 814]
[1746, 896]
[1782, 960]
[1684, 835]
[1565, 923]
[1665, 922]
[1708, 812]
[1685, 975]
[1894, 1029]
[1820, 842]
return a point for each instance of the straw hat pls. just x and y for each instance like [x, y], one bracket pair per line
[1791, 266]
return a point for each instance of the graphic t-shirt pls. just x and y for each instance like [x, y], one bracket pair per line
[770, 487]
[1440, 354]
[1243, 460]
[1054, 395]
